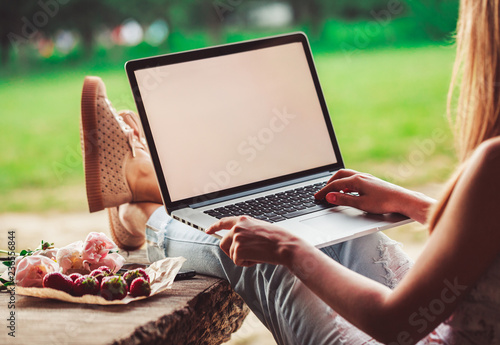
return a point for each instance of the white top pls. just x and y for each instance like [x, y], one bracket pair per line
[477, 318]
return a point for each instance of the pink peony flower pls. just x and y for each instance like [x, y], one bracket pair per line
[70, 257]
[18, 260]
[113, 260]
[31, 270]
[97, 245]
[50, 253]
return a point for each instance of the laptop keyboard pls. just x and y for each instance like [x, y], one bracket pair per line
[276, 207]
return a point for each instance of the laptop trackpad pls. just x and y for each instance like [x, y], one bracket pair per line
[345, 219]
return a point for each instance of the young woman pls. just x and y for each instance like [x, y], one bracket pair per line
[451, 295]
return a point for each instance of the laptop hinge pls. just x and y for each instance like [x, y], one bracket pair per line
[259, 190]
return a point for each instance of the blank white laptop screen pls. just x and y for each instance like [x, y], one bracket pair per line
[235, 119]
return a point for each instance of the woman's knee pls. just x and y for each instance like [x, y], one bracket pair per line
[376, 256]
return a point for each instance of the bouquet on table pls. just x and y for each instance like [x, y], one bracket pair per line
[86, 272]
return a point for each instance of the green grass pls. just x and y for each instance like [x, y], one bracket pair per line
[384, 104]
[381, 102]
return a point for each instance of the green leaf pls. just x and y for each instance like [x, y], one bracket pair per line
[26, 252]
[4, 286]
[46, 245]
[5, 283]
[8, 263]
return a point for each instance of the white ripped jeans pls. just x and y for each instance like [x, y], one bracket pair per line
[292, 313]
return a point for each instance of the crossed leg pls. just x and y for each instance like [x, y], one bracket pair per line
[292, 313]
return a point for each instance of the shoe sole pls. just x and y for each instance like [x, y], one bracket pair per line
[114, 222]
[90, 149]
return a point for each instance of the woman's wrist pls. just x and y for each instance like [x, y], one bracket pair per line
[289, 250]
[414, 205]
[303, 260]
[300, 258]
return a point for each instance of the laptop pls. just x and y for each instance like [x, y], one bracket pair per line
[243, 129]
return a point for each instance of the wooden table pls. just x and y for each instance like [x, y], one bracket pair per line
[202, 310]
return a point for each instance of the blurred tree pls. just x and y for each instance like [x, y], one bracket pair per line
[87, 17]
[16, 27]
[438, 18]
[209, 15]
[144, 11]
[361, 9]
[314, 12]
[26, 20]
[310, 12]
[22, 21]
[211, 20]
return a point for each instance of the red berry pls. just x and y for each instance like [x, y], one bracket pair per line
[131, 275]
[113, 287]
[140, 287]
[105, 270]
[86, 285]
[98, 274]
[58, 281]
[75, 276]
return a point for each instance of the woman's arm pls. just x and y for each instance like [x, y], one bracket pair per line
[375, 195]
[464, 243]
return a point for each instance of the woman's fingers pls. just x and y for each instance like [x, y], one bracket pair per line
[226, 243]
[341, 174]
[344, 184]
[241, 252]
[236, 251]
[229, 243]
[343, 199]
[250, 241]
[223, 224]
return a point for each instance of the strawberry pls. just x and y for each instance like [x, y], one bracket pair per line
[58, 281]
[140, 287]
[105, 270]
[113, 287]
[131, 275]
[86, 285]
[75, 276]
[98, 274]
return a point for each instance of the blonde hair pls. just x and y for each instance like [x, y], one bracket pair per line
[477, 73]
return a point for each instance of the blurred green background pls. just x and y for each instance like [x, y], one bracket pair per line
[384, 66]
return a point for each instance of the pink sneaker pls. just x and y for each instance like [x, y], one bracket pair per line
[123, 237]
[108, 142]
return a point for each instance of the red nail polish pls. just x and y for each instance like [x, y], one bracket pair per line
[331, 198]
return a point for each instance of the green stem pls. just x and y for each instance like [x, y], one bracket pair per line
[7, 252]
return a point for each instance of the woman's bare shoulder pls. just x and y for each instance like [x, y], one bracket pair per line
[488, 149]
[485, 161]
[477, 191]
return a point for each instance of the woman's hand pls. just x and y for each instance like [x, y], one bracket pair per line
[371, 194]
[251, 241]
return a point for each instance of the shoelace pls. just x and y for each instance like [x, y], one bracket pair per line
[141, 138]
[125, 128]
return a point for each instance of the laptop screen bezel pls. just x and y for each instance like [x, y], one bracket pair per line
[210, 52]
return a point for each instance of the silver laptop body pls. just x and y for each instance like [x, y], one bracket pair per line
[244, 129]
